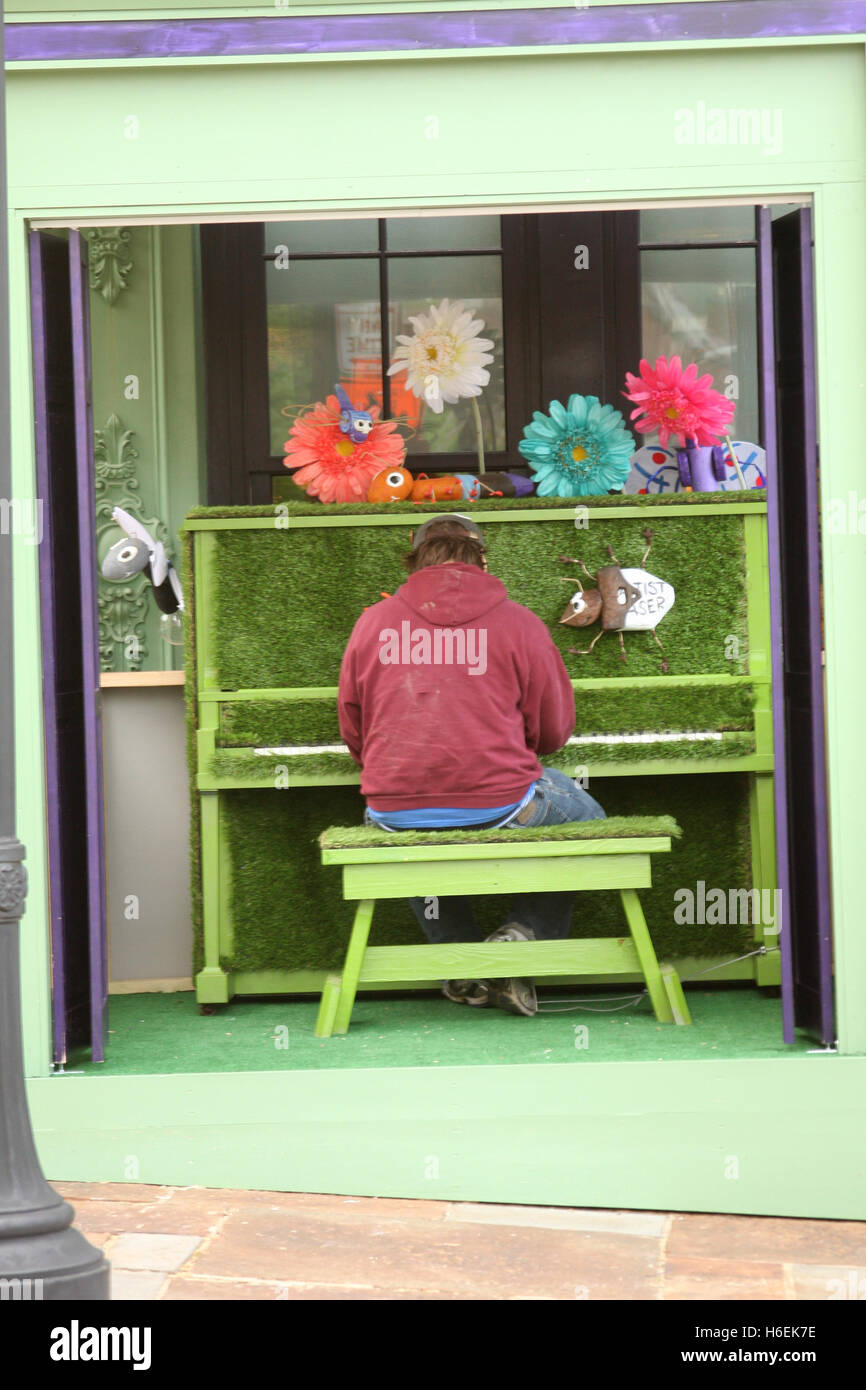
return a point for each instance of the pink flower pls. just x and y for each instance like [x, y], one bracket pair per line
[329, 466]
[678, 402]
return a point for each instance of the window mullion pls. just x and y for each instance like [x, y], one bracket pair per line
[384, 319]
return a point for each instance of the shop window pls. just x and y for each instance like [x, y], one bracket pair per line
[699, 298]
[571, 300]
[339, 293]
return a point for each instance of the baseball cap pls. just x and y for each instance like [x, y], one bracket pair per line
[466, 522]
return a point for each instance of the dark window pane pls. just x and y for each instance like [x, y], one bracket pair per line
[480, 233]
[698, 224]
[414, 286]
[321, 237]
[323, 327]
[701, 306]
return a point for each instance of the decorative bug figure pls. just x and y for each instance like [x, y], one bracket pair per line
[357, 424]
[623, 600]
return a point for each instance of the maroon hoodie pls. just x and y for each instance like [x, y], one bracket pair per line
[449, 691]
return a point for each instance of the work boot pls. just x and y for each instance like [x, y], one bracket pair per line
[514, 996]
[472, 992]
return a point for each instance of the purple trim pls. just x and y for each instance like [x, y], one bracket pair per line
[816, 682]
[49, 679]
[365, 33]
[92, 710]
[774, 530]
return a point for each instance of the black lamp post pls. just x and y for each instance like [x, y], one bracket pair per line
[41, 1256]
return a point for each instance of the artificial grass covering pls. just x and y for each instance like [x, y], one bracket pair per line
[285, 600]
[287, 909]
[614, 828]
[153, 1034]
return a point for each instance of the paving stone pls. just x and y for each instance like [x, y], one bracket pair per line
[626, 1223]
[312, 1248]
[412, 1208]
[148, 1250]
[181, 1216]
[834, 1283]
[761, 1238]
[686, 1278]
[110, 1191]
[138, 1284]
[180, 1287]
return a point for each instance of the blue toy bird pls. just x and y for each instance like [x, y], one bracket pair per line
[357, 424]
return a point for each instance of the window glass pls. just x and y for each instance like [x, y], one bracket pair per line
[701, 306]
[415, 285]
[322, 237]
[323, 327]
[697, 224]
[443, 233]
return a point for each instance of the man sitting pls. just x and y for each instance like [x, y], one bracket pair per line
[448, 694]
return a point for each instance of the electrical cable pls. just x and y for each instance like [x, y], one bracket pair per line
[584, 1006]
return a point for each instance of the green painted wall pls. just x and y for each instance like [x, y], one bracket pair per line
[773, 1137]
[146, 389]
[219, 138]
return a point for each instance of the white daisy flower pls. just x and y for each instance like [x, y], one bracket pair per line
[444, 359]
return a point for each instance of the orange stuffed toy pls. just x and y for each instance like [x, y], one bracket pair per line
[399, 485]
[443, 488]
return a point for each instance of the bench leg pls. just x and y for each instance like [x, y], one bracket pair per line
[646, 955]
[328, 1007]
[674, 991]
[352, 966]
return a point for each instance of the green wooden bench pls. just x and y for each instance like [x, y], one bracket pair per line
[583, 855]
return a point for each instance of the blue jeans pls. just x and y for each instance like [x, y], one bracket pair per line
[557, 799]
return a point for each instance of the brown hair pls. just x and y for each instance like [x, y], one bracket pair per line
[445, 541]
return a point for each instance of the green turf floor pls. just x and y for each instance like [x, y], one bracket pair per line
[160, 1033]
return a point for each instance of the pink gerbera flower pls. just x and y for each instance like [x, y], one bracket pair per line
[673, 401]
[329, 466]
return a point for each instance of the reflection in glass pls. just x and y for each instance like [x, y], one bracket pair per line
[414, 286]
[323, 327]
[443, 233]
[318, 238]
[701, 306]
[697, 224]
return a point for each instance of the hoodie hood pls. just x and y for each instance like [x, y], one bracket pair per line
[451, 595]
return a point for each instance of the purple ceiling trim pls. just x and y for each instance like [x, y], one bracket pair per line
[365, 33]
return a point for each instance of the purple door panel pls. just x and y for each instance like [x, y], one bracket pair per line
[92, 706]
[41, 370]
[71, 712]
[788, 390]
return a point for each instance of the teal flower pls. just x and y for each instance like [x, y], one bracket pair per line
[578, 450]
